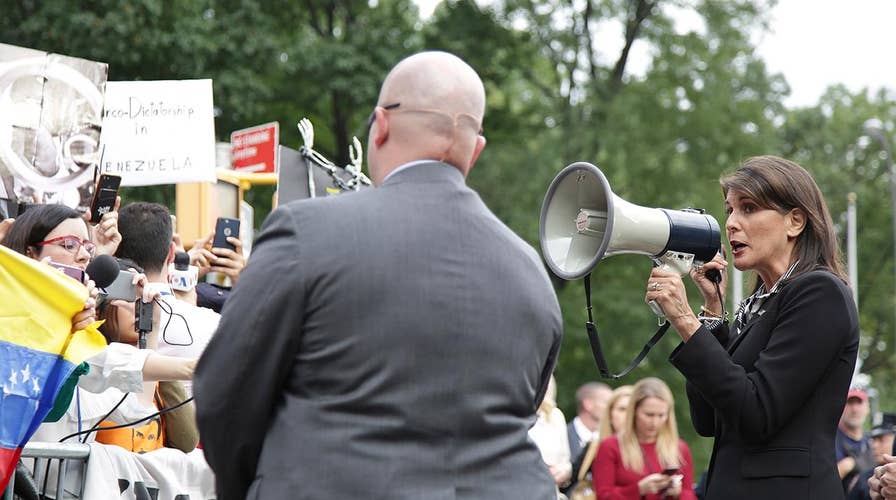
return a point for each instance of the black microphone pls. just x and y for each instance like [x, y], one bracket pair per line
[181, 261]
[143, 312]
[103, 270]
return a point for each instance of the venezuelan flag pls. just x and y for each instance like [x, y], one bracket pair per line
[38, 351]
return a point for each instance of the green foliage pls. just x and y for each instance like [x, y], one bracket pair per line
[555, 95]
[826, 139]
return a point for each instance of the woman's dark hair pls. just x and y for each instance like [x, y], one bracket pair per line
[782, 185]
[35, 224]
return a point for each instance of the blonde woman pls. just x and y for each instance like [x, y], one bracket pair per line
[613, 418]
[549, 434]
[646, 459]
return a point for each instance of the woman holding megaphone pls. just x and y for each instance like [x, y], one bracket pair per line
[769, 387]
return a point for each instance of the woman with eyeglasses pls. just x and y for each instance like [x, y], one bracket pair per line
[57, 234]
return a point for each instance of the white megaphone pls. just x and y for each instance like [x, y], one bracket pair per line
[582, 222]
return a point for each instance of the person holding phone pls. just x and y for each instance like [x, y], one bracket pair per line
[645, 459]
[219, 254]
[771, 388]
[227, 261]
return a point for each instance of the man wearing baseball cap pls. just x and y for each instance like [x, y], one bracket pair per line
[851, 444]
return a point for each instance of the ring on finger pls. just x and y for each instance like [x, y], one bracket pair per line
[655, 286]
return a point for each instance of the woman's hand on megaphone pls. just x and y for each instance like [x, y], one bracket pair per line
[707, 286]
[667, 289]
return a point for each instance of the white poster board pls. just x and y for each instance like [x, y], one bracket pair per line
[159, 132]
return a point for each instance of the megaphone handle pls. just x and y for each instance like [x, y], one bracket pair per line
[657, 309]
[654, 305]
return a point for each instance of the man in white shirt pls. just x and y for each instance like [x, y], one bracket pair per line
[147, 239]
[591, 400]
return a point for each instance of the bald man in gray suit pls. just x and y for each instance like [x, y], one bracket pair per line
[392, 343]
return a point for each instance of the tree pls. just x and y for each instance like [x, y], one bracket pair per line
[825, 139]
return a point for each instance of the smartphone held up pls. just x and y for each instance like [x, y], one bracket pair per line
[224, 228]
[104, 196]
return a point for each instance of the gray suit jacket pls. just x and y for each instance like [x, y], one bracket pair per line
[392, 343]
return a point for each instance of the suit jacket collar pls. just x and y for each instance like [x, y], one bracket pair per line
[751, 322]
[758, 301]
[425, 171]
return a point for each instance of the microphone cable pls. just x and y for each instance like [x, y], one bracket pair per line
[129, 424]
[169, 310]
[88, 431]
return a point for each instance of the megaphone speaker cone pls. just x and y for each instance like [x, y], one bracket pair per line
[582, 222]
[576, 220]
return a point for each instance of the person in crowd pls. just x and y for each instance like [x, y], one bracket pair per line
[611, 422]
[59, 234]
[5, 224]
[212, 259]
[770, 388]
[591, 400]
[851, 444]
[56, 234]
[882, 483]
[646, 459]
[402, 333]
[147, 240]
[174, 429]
[613, 419]
[549, 434]
[881, 444]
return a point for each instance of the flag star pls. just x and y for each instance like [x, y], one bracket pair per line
[26, 373]
[35, 385]
[13, 377]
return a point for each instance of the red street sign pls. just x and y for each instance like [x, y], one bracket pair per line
[255, 148]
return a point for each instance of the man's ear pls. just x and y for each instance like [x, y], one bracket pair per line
[380, 127]
[172, 249]
[796, 219]
[477, 150]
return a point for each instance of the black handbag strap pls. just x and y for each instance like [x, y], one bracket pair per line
[594, 340]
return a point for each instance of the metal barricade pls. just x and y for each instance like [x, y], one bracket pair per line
[43, 454]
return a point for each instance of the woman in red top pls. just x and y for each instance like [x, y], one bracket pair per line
[646, 459]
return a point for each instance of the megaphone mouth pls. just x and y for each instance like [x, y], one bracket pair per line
[582, 222]
[573, 235]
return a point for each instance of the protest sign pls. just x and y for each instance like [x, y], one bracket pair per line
[49, 127]
[159, 132]
[255, 148]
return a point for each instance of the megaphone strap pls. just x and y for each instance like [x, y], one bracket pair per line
[594, 340]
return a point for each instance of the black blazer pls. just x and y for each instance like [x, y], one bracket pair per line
[772, 396]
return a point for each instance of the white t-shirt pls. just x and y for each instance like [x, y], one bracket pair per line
[184, 330]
